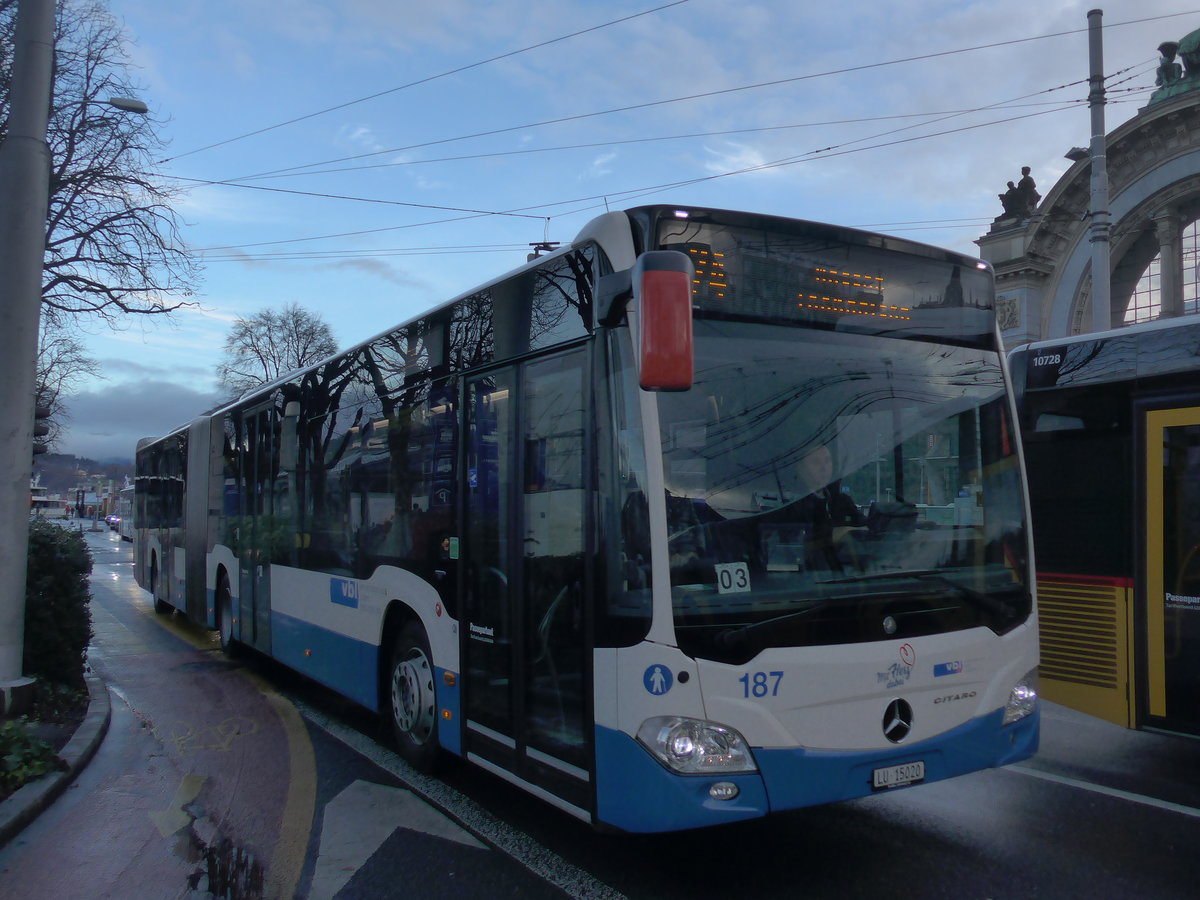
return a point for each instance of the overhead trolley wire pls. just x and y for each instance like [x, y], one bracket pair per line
[700, 96]
[826, 153]
[421, 81]
[933, 116]
[942, 116]
[642, 140]
[327, 196]
[631, 194]
[646, 191]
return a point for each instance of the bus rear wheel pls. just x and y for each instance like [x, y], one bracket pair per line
[162, 607]
[412, 699]
[225, 615]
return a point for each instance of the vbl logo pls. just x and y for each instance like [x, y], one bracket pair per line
[343, 592]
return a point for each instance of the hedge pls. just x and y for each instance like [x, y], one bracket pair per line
[58, 617]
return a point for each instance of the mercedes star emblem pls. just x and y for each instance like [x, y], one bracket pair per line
[897, 721]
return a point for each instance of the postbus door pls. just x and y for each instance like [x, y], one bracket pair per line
[259, 465]
[1172, 569]
[524, 635]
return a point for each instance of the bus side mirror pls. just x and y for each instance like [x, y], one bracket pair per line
[662, 298]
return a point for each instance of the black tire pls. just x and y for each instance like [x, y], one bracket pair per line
[224, 600]
[162, 607]
[412, 699]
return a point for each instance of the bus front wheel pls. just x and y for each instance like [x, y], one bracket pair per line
[413, 699]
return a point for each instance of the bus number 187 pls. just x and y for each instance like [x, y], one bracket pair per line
[761, 684]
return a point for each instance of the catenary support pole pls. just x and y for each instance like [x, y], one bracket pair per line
[1101, 227]
[24, 192]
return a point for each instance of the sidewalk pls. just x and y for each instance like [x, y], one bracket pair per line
[23, 807]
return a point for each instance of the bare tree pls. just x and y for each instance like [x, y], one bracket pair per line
[112, 241]
[270, 344]
[62, 363]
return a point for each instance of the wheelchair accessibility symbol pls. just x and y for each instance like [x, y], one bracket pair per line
[657, 679]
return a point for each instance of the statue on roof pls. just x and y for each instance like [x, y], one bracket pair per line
[1178, 67]
[1169, 71]
[1021, 199]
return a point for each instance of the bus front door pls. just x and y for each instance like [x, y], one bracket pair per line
[524, 637]
[1172, 567]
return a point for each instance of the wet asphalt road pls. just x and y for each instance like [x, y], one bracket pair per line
[237, 779]
[210, 783]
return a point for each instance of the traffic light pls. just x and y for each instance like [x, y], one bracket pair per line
[41, 427]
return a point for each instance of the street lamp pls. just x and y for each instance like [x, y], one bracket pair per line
[129, 104]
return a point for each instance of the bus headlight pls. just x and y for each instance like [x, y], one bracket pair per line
[695, 747]
[1022, 699]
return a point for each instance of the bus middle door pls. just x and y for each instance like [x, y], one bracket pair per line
[259, 466]
[524, 649]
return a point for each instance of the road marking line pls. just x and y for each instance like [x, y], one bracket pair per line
[287, 861]
[1108, 792]
[517, 845]
[357, 822]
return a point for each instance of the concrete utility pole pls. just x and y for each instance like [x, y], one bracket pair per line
[1101, 224]
[24, 196]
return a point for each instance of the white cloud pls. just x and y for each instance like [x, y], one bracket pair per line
[359, 137]
[734, 157]
[600, 166]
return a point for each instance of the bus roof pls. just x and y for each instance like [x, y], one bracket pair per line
[1141, 328]
[1161, 347]
[613, 231]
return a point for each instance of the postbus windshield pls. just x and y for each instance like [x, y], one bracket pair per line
[837, 476]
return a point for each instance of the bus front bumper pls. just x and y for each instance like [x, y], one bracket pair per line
[635, 793]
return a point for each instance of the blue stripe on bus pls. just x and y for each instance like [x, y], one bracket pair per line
[636, 793]
[349, 666]
[797, 778]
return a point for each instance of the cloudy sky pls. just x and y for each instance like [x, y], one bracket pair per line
[369, 159]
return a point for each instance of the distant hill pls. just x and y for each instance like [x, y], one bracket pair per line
[62, 472]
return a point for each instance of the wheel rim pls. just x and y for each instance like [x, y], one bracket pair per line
[412, 696]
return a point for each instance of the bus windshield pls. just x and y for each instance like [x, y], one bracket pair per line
[825, 487]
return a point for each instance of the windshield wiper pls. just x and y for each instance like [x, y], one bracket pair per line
[736, 638]
[985, 600]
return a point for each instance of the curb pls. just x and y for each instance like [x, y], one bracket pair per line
[24, 805]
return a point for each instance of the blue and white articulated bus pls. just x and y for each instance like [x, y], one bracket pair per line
[704, 516]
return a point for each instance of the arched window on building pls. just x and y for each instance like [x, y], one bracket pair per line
[1145, 303]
